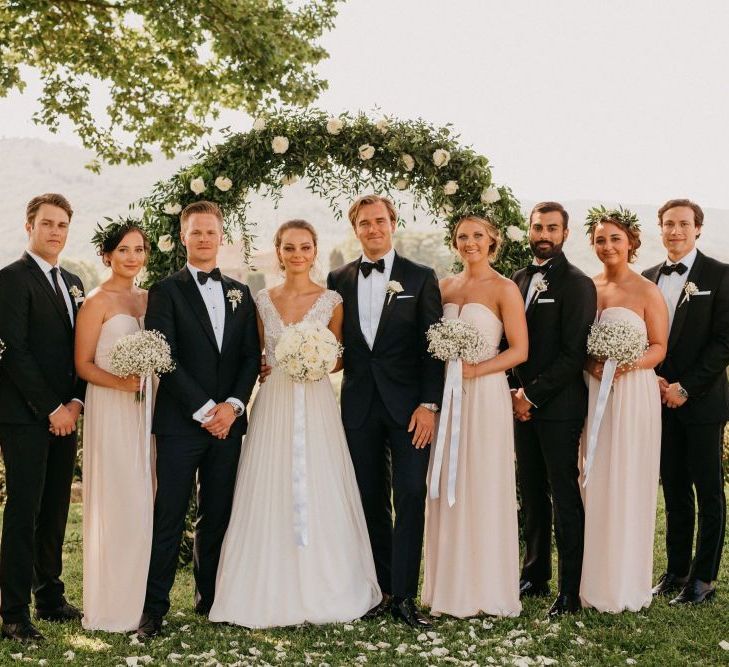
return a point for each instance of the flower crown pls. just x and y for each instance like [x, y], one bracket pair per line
[101, 234]
[599, 214]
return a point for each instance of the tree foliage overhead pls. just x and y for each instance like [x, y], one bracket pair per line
[169, 67]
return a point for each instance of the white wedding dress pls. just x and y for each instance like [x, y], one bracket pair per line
[265, 579]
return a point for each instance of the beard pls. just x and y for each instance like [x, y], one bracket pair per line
[545, 252]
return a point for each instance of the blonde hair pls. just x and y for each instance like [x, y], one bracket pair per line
[293, 224]
[367, 200]
[200, 207]
[491, 229]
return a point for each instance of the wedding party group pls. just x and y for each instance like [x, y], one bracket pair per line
[467, 405]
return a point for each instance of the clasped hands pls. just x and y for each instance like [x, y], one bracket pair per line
[669, 393]
[63, 421]
[218, 420]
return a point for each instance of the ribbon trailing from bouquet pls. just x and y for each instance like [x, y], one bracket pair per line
[145, 427]
[608, 373]
[450, 415]
[298, 468]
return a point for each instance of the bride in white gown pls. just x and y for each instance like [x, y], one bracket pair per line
[265, 579]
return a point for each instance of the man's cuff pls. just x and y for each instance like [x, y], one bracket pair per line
[79, 401]
[199, 416]
[56, 410]
[527, 398]
[237, 403]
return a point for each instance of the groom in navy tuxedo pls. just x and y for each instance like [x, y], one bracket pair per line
[695, 396]
[209, 320]
[390, 393]
[41, 398]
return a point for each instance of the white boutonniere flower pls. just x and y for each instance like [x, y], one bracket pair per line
[540, 286]
[689, 289]
[235, 296]
[393, 287]
[76, 294]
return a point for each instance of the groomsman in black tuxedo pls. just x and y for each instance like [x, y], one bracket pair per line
[199, 418]
[695, 397]
[41, 398]
[549, 398]
[390, 393]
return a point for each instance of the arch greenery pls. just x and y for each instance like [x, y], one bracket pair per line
[342, 156]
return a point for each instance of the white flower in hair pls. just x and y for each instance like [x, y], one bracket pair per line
[197, 185]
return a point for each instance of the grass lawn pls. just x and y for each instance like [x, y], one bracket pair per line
[658, 636]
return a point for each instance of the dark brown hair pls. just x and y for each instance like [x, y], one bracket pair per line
[366, 200]
[632, 232]
[51, 198]
[293, 224]
[550, 207]
[673, 203]
[202, 206]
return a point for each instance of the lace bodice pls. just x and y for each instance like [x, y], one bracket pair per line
[321, 312]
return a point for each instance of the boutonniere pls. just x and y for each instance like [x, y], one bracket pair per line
[76, 294]
[393, 287]
[689, 289]
[235, 296]
[540, 286]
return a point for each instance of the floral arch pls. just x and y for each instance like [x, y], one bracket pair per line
[341, 156]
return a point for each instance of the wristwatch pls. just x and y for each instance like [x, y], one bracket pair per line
[682, 392]
[433, 407]
[237, 410]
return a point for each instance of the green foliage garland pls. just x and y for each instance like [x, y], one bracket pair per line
[343, 156]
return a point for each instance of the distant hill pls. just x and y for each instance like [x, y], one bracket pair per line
[32, 166]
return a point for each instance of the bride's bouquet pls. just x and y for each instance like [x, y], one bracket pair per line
[144, 353]
[455, 339]
[307, 351]
[618, 340]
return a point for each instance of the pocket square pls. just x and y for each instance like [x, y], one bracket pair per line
[702, 293]
[545, 300]
[405, 296]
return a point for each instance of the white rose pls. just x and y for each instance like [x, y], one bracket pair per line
[514, 233]
[441, 157]
[366, 152]
[450, 188]
[197, 185]
[289, 179]
[383, 125]
[490, 195]
[408, 161]
[223, 183]
[334, 126]
[259, 124]
[401, 183]
[165, 243]
[280, 145]
[172, 209]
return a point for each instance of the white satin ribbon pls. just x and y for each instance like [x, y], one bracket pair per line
[298, 468]
[145, 427]
[450, 415]
[608, 373]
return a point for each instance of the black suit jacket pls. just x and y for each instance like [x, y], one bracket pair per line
[398, 366]
[176, 308]
[552, 375]
[698, 344]
[37, 372]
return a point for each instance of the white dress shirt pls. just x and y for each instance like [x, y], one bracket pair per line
[535, 277]
[672, 285]
[46, 268]
[371, 293]
[214, 299]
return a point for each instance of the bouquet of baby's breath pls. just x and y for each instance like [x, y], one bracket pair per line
[618, 340]
[307, 351]
[456, 339]
[143, 353]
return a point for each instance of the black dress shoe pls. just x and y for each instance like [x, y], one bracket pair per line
[669, 583]
[566, 603]
[150, 626]
[380, 608]
[531, 589]
[405, 610]
[694, 592]
[66, 612]
[24, 631]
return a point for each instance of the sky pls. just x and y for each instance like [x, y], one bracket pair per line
[621, 101]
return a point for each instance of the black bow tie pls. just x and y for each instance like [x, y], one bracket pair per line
[202, 277]
[679, 268]
[367, 267]
[536, 268]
